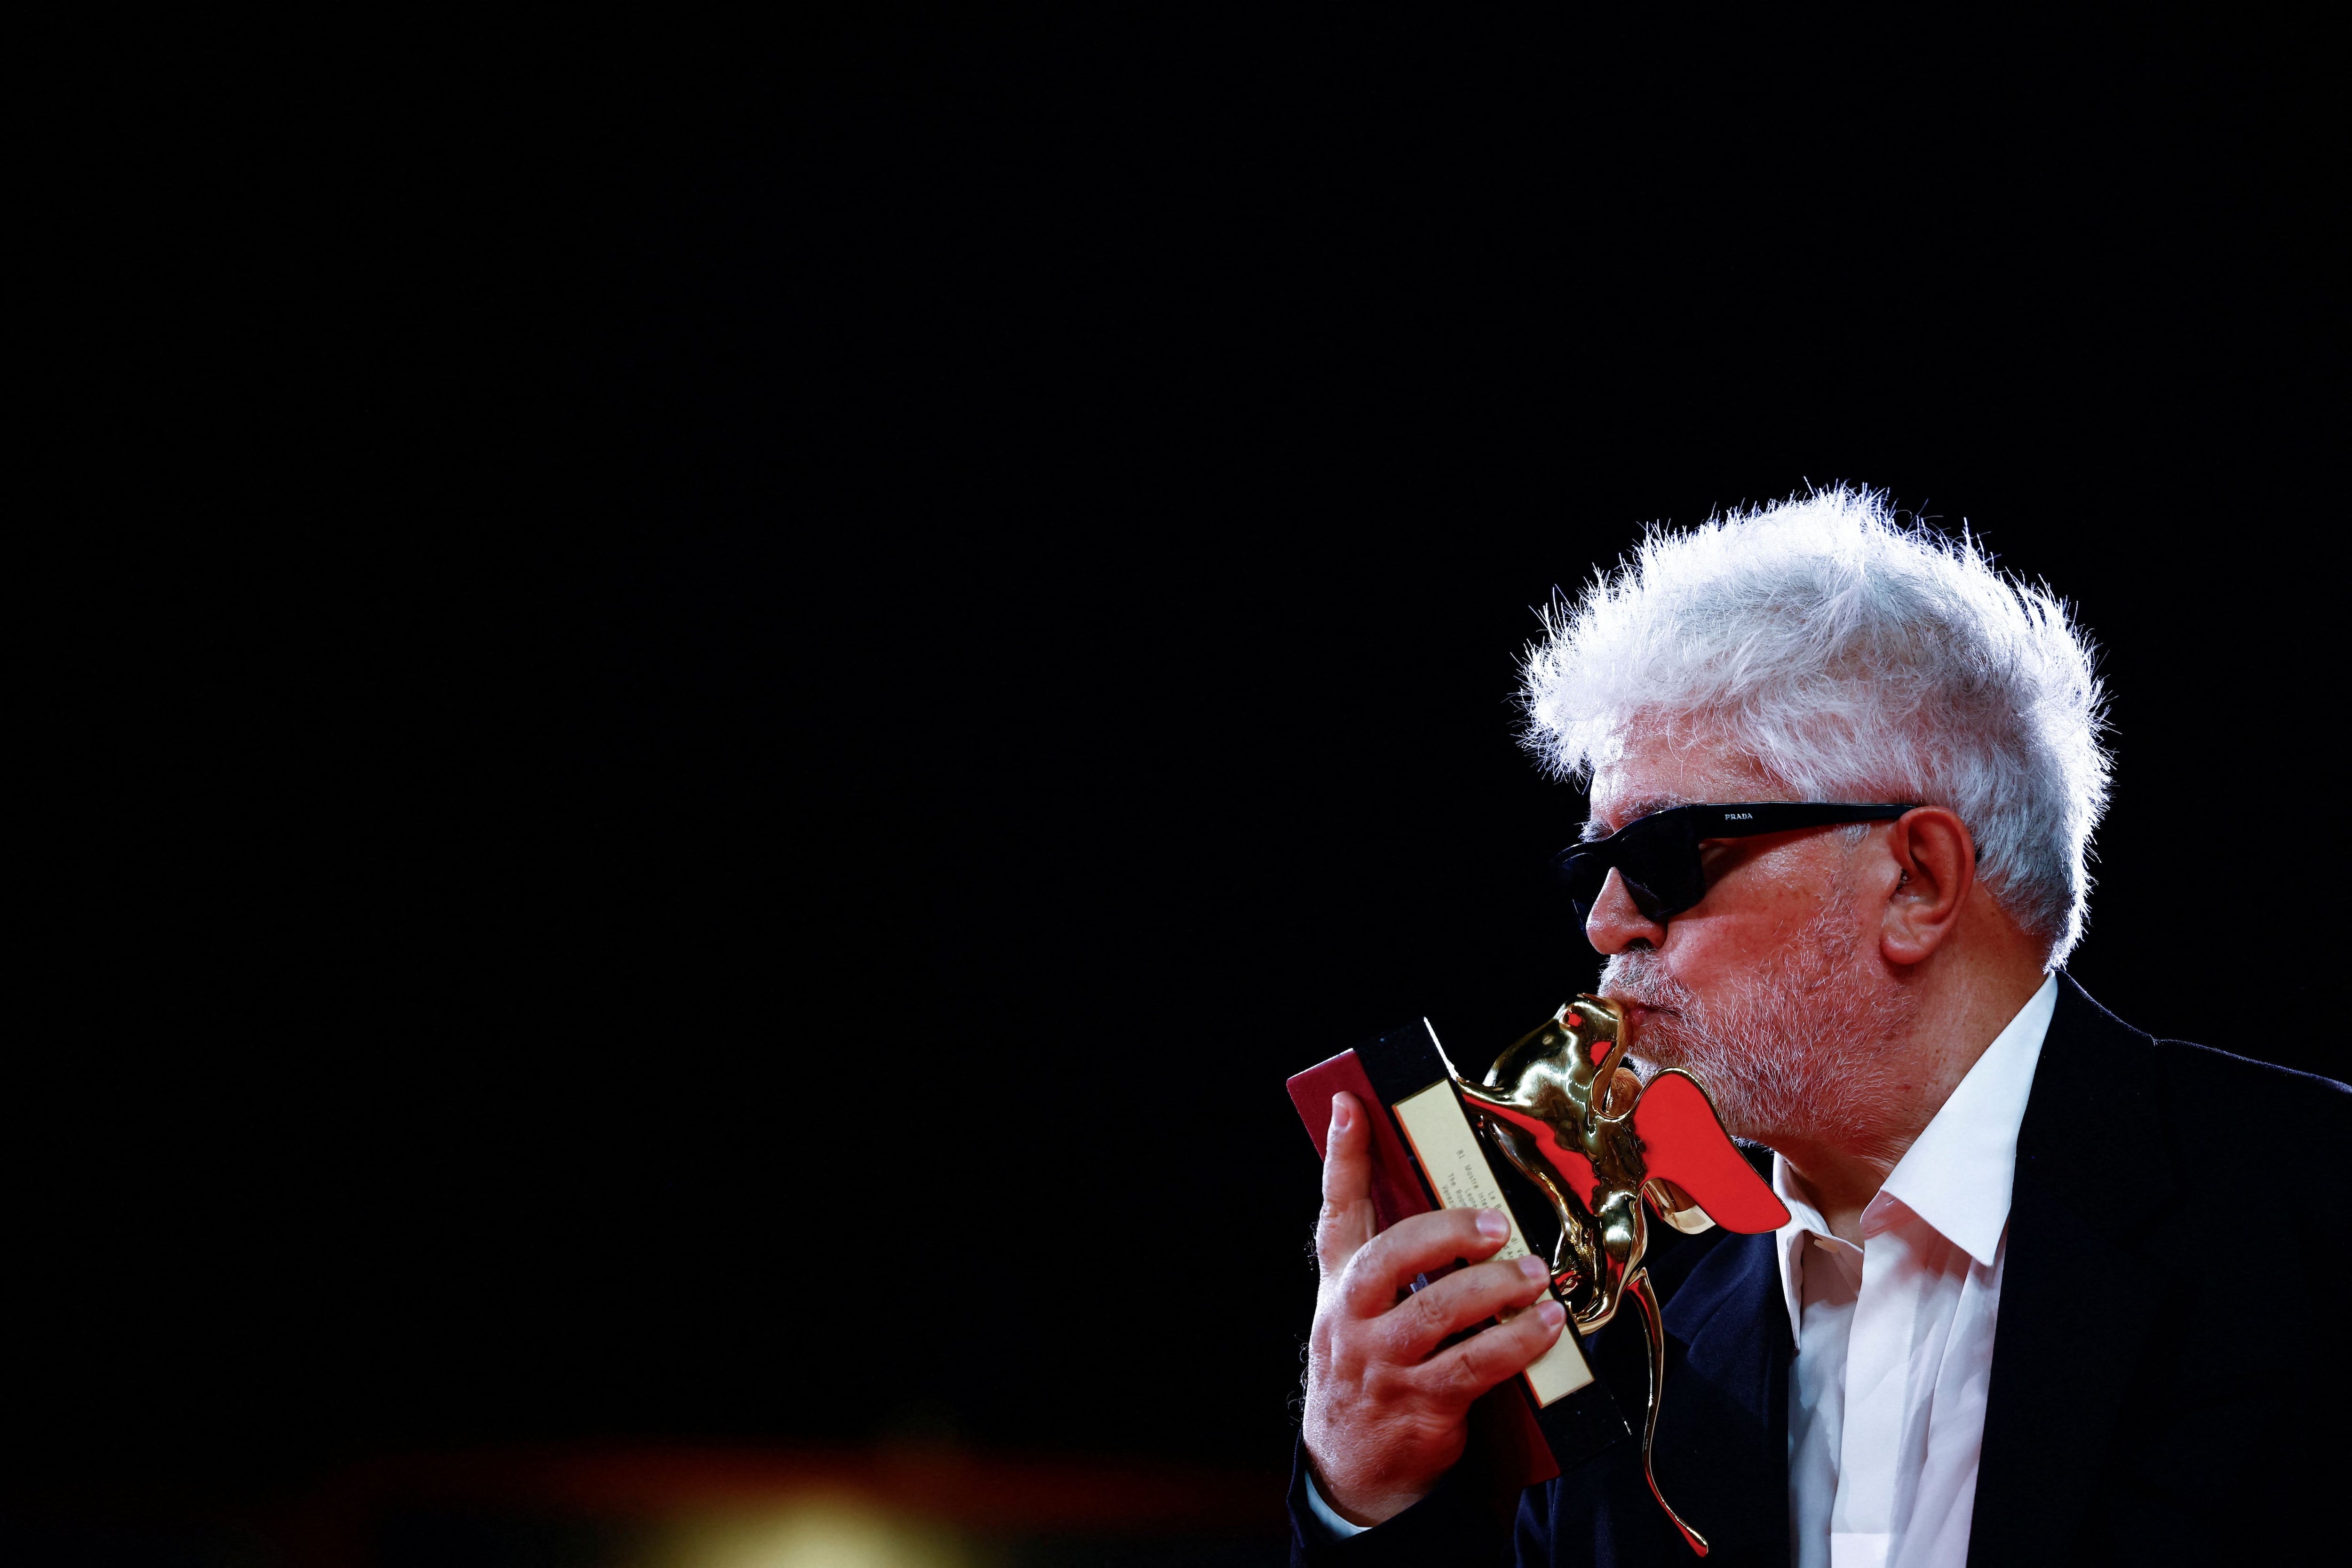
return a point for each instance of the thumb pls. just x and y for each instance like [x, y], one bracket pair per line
[1348, 1220]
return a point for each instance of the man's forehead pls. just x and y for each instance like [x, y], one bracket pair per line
[1656, 770]
[1616, 811]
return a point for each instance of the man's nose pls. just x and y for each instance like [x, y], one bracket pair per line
[1617, 923]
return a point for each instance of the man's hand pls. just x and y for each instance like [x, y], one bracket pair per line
[1387, 1411]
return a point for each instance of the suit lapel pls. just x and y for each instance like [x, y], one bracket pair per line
[1723, 1433]
[2082, 1286]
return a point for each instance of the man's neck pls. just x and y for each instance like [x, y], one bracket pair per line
[1951, 1028]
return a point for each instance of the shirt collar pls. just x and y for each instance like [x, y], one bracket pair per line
[1959, 1173]
[1805, 1222]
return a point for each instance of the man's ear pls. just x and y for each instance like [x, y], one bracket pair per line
[1932, 868]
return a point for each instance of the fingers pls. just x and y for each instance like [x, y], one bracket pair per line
[1419, 1324]
[1370, 1350]
[1456, 1376]
[1346, 1220]
[1380, 1267]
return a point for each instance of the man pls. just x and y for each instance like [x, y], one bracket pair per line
[2036, 1303]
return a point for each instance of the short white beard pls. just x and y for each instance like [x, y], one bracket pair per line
[1794, 1050]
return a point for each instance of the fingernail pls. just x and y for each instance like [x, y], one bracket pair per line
[1532, 1270]
[1493, 1225]
[1550, 1313]
[1342, 1115]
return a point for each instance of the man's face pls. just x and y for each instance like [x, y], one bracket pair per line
[1771, 988]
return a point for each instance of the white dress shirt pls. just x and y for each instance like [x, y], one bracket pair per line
[1886, 1399]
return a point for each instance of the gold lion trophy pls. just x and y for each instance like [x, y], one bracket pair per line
[1562, 1108]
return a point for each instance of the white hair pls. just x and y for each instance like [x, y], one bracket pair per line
[1856, 657]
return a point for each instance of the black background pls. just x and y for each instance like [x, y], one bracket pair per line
[709, 731]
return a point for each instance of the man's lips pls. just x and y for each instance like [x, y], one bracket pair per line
[1637, 1014]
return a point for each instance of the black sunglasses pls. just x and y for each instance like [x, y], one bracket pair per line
[1659, 853]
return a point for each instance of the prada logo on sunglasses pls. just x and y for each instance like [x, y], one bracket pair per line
[1738, 816]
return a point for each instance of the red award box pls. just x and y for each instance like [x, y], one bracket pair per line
[1425, 1155]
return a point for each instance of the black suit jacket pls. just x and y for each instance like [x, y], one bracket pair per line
[2169, 1375]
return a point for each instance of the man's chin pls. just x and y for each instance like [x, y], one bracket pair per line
[1659, 1049]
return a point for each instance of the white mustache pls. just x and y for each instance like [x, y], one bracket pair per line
[1627, 978]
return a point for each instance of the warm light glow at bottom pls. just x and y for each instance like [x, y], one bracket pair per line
[815, 1533]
